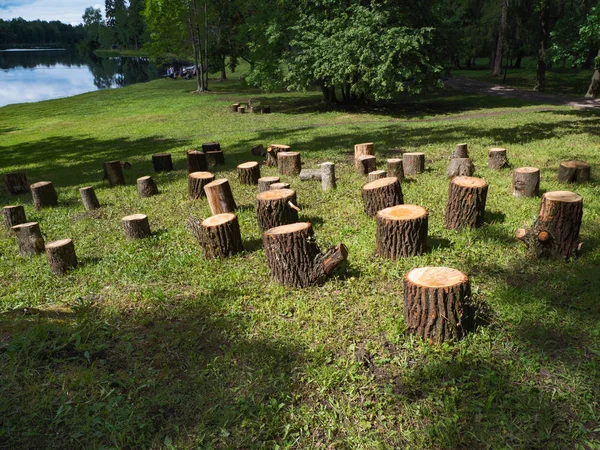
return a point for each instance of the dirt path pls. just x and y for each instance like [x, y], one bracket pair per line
[480, 87]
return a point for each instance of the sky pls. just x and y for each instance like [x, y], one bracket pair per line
[67, 11]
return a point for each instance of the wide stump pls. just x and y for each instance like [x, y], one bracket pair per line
[394, 168]
[61, 256]
[162, 162]
[288, 163]
[497, 158]
[555, 232]
[275, 208]
[433, 303]
[272, 151]
[381, 194]
[220, 197]
[88, 198]
[413, 163]
[574, 171]
[401, 231]
[136, 226]
[146, 187]
[366, 164]
[526, 182]
[16, 183]
[196, 183]
[295, 258]
[368, 148]
[249, 173]
[196, 161]
[14, 215]
[113, 172]
[466, 203]
[211, 146]
[29, 238]
[264, 183]
[220, 236]
[43, 194]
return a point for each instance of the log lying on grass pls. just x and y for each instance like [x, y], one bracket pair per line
[275, 208]
[88, 197]
[29, 238]
[413, 163]
[574, 171]
[366, 149]
[162, 162]
[61, 256]
[497, 158]
[394, 168]
[146, 187]
[16, 183]
[249, 173]
[43, 194]
[220, 236]
[264, 183]
[381, 194]
[311, 174]
[295, 258]
[555, 232]
[196, 161]
[288, 163]
[466, 203]
[196, 183]
[366, 164]
[272, 151]
[113, 172]
[401, 231]
[220, 197]
[460, 167]
[136, 226]
[279, 185]
[526, 182]
[14, 215]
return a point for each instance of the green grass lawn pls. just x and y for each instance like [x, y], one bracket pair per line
[149, 345]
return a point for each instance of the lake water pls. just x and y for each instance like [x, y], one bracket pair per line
[34, 75]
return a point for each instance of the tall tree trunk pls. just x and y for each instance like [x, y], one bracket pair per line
[517, 64]
[540, 74]
[206, 44]
[196, 48]
[501, 30]
[594, 89]
[223, 70]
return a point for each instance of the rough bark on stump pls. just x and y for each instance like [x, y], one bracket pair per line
[196, 183]
[272, 151]
[466, 203]
[295, 258]
[113, 172]
[29, 238]
[434, 299]
[16, 183]
[460, 151]
[43, 194]
[574, 171]
[288, 163]
[497, 158]
[146, 187]
[366, 164]
[136, 226]
[328, 180]
[215, 158]
[413, 163]
[162, 162]
[196, 161]
[460, 167]
[366, 149]
[275, 208]
[401, 231]
[220, 197]
[88, 198]
[61, 256]
[381, 194]
[394, 168]
[249, 173]
[14, 215]
[526, 182]
[264, 183]
[211, 147]
[376, 175]
[279, 185]
[311, 174]
[220, 236]
[555, 232]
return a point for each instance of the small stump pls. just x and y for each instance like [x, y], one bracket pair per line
[61, 256]
[574, 171]
[381, 194]
[88, 197]
[220, 197]
[279, 185]
[526, 182]
[434, 298]
[555, 232]
[265, 183]
[275, 208]
[460, 151]
[241, 109]
[460, 167]
[366, 164]
[211, 146]
[234, 107]
[289, 163]
[376, 175]
[413, 163]
[401, 231]
[328, 180]
[29, 238]
[43, 194]
[196, 161]
[272, 151]
[366, 149]
[466, 203]
[295, 258]
[14, 215]
[136, 226]
[146, 187]
[196, 183]
[497, 158]
[220, 236]
[394, 168]
[16, 183]
[249, 173]
[162, 162]
[215, 158]
[113, 172]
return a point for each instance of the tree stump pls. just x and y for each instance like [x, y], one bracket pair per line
[311, 174]
[401, 231]
[272, 151]
[43, 194]
[556, 230]
[16, 183]
[460, 151]
[289, 163]
[497, 158]
[241, 109]
[280, 185]
[14, 215]
[29, 238]
[220, 197]
[249, 173]
[266, 109]
[275, 208]
[574, 171]
[434, 298]
[381, 194]
[220, 236]
[264, 183]
[215, 158]
[162, 162]
[146, 187]
[196, 183]
[113, 172]
[376, 175]
[366, 164]
[258, 150]
[234, 107]
[328, 180]
[460, 167]
[294, 257]
[211, 147]
[196, 161]
[366, 149]
[394, 168]
[413, 163]
[136, 226]
[61, 256]
[466, 203]
[526, 182]
[88, 197]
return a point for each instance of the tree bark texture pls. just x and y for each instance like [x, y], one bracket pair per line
[196, 161]
[16, 183]
[366, 164]
[215, 158]
[460, 167]
[394, 168]
[220, 236]
[196, 183]
[211, 147]
[279, 185]
[88, 198]
[365, 149]
[574, 171]
[466, 203]
[14, 215]
[61, 256]
[136, 226]
[272, 151]
[498, 60]
[401, 231]
[413, 163]
[381, 194]
[460, 151]
[264, 183]
[146, 187]
[497, 158]
[526, 182]
[311, 174]
[289, 163]
[29, 238]
[376, 175]
[220, 197]
[594, 88]
[43, 194]
[113, 172]
[162, 162]
[249, 173]
[328, 180]
[275, 208]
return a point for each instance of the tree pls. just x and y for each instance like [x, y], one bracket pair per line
[501, 30]
[92, 22]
